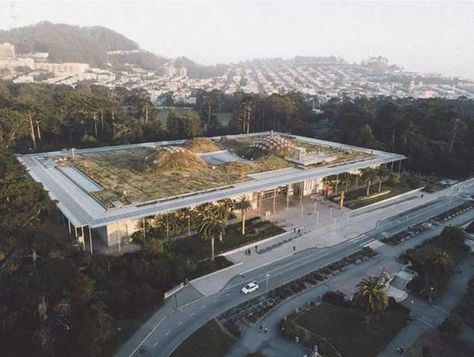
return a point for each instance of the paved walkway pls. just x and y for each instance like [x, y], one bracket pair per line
[346, 227]
[428, 316]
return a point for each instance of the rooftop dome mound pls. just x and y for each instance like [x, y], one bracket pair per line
[275, 145]
[201, 145]
[175, 159]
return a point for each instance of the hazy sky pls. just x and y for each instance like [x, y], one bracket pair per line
[421, 36]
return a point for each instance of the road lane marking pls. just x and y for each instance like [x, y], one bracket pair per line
[180, 323]
[154, 345]
[166, 334]
[192, 314]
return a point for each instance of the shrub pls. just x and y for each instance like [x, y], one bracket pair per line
[452, 325]
[336, 298]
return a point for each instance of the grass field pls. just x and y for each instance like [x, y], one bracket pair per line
[125, 176]
[131, 175]
[209, 341]
[348, 330]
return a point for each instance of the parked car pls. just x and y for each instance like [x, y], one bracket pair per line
[249, 288]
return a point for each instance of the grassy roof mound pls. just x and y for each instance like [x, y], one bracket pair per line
[177, 161]
[201, 145]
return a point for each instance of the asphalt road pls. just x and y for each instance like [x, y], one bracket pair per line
[175, 327]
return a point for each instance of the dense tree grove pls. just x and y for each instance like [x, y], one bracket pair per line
[57, 301]
[435, 134]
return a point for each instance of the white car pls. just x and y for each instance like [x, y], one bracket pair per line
[249, 288]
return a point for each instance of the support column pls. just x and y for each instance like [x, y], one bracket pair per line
[391, 167]
[69, 226]
[337, 182]
[274, 199]
[90, 239]
[399, 167]
[301, 197]
[83, 239]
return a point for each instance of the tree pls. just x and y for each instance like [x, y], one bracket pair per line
[243, 204]
[370, 295]
[192, 126]
[212, 226]
[453, 325]
[382, 174]
[95, 328]
[369, 174]
[173, 125]
[246, 106]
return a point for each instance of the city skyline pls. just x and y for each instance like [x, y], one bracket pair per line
[419, 36]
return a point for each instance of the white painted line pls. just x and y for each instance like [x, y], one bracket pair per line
[154, 345]
[180, 323]
[191, 315]
[166, 334]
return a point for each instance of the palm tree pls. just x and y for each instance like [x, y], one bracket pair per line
[243, 204]
[369, 174]
[211, 227]
[370, 295]
[224, 209]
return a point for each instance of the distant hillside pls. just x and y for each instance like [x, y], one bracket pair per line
[67, 43]
[196, 70]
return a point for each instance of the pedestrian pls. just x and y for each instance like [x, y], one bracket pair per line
[294, 248]
[266, 329]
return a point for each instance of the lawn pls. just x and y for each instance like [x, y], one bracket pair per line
[197, 249]
[126, 176]
[347, 330]
[137, 175]
[210, 341]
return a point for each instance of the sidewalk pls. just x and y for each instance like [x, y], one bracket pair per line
[317, 236]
